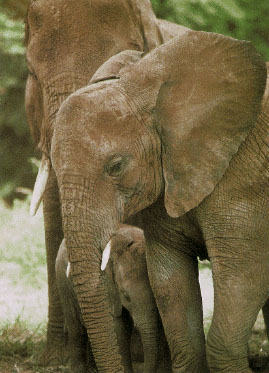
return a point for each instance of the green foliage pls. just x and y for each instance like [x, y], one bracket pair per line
[242, 19]
[16, 147]
[19, 340]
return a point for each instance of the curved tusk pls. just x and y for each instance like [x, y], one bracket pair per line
[40, 184]
[105, 256]
[68, 269]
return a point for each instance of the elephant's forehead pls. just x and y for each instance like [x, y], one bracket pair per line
[62, 10]
[78, 35]
[100, 117]
[100, 112]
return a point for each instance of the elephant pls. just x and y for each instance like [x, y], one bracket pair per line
[129, 289]
[66, 42]
[176, 144]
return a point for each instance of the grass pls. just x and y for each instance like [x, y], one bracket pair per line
[23, 277]
[23, 283]
[19, 339]
[20, 347]
[23, 296]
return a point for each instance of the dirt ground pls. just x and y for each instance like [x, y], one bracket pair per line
[20, 348]
[259, 352]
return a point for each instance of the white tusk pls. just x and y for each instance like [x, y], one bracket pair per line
[40, 185]
[105, 256]
[68, 269]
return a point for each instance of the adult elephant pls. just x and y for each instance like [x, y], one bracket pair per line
[66, 41]
[177, 141]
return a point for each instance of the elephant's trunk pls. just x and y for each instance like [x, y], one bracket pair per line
[84, 240]
[150, 336]
[54, 92]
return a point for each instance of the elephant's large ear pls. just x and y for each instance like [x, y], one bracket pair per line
[208, 90]
[111, 68]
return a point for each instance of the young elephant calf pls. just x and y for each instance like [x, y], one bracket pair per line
[129, 289]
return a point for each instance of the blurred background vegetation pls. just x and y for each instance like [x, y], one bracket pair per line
[242, 19]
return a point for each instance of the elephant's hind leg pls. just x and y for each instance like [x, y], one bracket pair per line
[240, 287]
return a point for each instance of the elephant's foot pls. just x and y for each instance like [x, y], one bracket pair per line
[55, 352]
[259, 364]
[80, 368]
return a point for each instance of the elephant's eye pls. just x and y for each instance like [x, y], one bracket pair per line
[115, 166]
[130, 244]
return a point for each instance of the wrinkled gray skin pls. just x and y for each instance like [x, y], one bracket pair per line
[178, 143]
[128, 287]
[66, 42]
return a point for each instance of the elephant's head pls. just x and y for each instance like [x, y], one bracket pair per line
[128, 241]
[124, 260]
[168, 125]
[66, 42]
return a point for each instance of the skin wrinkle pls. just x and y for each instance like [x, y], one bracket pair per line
[55, 93]
[98, 218]
[34, 106]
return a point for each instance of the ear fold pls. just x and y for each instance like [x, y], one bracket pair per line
[111, 68]
[206, 90]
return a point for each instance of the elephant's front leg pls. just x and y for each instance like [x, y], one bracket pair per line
[54, 353]
[77, 334]
[174, 280]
